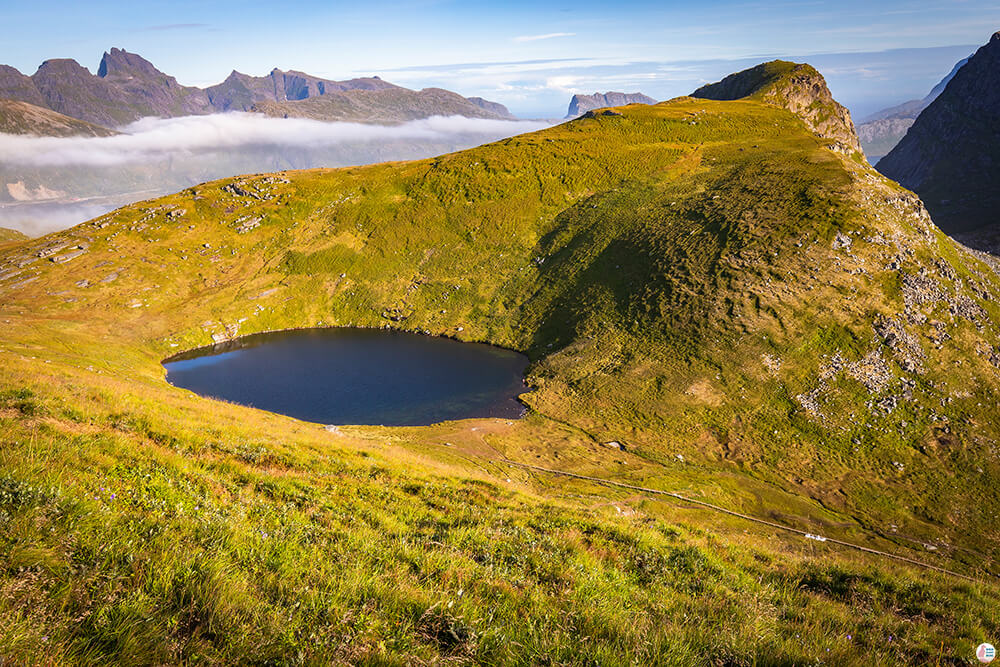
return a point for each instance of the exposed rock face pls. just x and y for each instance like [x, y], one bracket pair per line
[581, 104]
[22, 118]
[796, 87]
[951, 155]
[881, 131]
[128, 87]
[152, 92]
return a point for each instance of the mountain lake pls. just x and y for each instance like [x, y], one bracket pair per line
[357, 376]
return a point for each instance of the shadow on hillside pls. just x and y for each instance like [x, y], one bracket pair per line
[984, 240]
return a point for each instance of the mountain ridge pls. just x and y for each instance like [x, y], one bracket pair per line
[128, 87]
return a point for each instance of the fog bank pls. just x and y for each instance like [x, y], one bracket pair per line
[50, 183]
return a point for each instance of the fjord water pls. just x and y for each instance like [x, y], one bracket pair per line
[357, 376]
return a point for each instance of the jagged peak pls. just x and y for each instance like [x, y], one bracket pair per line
[798, 87]
[120, 61]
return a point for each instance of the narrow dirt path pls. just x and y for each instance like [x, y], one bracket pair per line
[716, 508]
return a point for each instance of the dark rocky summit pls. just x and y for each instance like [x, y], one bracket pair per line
[128, 87]
[951, 155]
[793, 86]
[581, 104]
[881, 131]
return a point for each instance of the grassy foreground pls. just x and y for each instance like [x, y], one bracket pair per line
[765, 323]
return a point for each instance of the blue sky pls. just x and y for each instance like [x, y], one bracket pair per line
[528, 55]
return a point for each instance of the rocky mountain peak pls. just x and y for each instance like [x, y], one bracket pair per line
[61, 65]
[950, 154]
[121, 62]
[794, 86]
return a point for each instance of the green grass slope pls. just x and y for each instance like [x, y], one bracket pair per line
[765, 323]
[8, 235]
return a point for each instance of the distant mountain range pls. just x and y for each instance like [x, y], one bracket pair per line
[882, 130]
[383, 105]
[951, 155]
[128, 87]
[581, 104]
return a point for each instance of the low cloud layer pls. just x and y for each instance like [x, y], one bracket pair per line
[153, 139]
[47, 184]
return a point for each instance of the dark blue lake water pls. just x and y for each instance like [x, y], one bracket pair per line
[357, 376]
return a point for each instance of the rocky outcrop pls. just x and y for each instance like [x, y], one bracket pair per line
[951, 154]
[128, 87]
[881, 131]
[796, 87]
[581, 104]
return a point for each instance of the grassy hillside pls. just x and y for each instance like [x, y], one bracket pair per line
[9, 235]
[765, 323]
[23, 118]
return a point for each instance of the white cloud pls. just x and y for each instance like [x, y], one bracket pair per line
[153, 139]
[550, 35]
[564, 84]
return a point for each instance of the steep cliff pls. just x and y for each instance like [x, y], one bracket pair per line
[951, 155]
